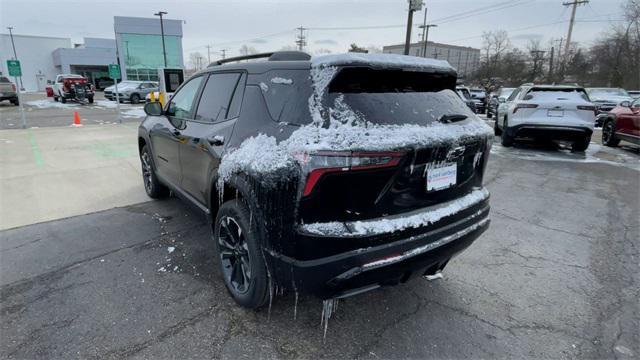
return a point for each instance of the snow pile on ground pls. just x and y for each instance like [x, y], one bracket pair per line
[339, 128]
[388, 225]
[49, 103]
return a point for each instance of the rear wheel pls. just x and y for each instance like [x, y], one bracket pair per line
[581, 145]
[237, 242]
[15, 102]
[609, 134]
[63, 100]
[496, 129]
[152, 185]
[489, 114]
[507, 140]
[90, 99]
[135, 98]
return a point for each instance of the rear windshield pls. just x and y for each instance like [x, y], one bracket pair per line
[4, 79]
[551, 94]
[393, 97]
[377, 96]
[506, 92]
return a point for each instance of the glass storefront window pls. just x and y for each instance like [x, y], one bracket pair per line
[142, 55]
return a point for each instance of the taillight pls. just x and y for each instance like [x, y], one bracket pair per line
[318, 164]
[13, 86]
[524, 106]
[588, 108]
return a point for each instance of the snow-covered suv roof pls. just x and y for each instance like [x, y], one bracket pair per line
[382, 60]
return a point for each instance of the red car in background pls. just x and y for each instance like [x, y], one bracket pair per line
[622, 123]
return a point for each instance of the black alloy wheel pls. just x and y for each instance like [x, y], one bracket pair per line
[234, 255]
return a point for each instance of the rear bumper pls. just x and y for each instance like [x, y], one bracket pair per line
[419, 253]
[7, 96]
[551, 132]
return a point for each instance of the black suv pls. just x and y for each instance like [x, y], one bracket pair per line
[331, 175]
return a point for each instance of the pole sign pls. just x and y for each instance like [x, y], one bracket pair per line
[114, 71]
[14, 67]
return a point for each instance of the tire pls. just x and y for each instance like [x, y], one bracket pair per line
[609, 133]
[581, 145]
[496, 129]
[15, 102]
[55, 98]
[152, 185]
[63, 100]
[90, 99]
[507, 140]
[135, 98]
[489, 115]
[238, 250]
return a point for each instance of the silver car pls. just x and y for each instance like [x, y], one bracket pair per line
[136, 92]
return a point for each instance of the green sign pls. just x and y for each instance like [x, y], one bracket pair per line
[114, 71]
[14, 67]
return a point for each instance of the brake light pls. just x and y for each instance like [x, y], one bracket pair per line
[588, 108]
[318, 164]
[13, 86]
[524, 106]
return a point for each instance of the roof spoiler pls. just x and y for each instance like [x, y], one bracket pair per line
[270, 56]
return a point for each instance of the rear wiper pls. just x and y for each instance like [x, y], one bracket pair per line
[451, 118]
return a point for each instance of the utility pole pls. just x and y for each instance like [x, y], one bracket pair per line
[224, 52]
[15, 56]
[209, 54]
[414, 5]
[301, 39]
[424, 35]
[574, 4]
[550, 76]
[164, 51]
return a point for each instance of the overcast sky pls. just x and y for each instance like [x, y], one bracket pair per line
[270, 25]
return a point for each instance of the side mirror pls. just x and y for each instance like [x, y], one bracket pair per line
[626, 104]
[502, 100]
[153, 108]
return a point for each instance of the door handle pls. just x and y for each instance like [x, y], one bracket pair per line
[216, 140]
[176, 132]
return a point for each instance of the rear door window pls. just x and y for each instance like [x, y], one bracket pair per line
[216, 97]
[286, 93]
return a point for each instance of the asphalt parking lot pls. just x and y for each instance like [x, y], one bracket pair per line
[555, 276]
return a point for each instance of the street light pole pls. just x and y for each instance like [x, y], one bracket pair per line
[164, 51]
[15, 56]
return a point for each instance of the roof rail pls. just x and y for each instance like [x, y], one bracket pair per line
[272, 56]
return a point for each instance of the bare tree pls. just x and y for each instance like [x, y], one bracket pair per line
[247, 50]
[197, 60]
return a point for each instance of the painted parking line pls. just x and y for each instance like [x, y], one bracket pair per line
[37, 155]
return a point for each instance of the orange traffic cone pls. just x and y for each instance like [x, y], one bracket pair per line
[76, 119]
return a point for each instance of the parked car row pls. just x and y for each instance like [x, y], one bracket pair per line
[132, 91]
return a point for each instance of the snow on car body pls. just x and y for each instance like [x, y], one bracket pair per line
[341, 173]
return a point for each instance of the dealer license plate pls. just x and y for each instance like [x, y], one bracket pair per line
[555, 113]
[441, 176]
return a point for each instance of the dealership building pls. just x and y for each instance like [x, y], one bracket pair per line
[137, 47]
[465, 59]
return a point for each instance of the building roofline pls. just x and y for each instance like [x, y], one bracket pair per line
[430, 43]
[38, 36]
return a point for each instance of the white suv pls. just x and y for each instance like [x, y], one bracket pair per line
[547, 112]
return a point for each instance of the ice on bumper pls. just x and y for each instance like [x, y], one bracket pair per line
[393, 224]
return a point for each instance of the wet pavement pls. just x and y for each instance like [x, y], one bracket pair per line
[555, 276]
